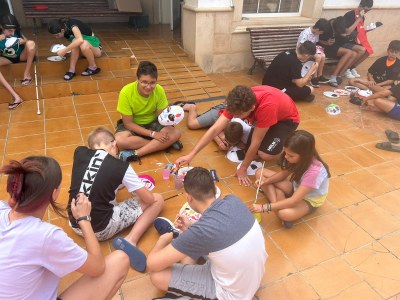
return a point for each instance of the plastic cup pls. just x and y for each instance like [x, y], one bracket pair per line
[178, 181]
[165, 174]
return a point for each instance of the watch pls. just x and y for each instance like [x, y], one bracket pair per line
[86, 218]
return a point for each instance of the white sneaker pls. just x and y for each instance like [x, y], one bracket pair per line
[355, 73]
[348, 74]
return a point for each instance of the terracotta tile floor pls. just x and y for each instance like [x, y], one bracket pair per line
[349, 249]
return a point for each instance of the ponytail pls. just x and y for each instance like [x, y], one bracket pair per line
[31, 182]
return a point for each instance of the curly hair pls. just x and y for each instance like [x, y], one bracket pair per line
[240, 99]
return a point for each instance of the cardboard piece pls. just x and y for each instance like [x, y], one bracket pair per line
[129, 5]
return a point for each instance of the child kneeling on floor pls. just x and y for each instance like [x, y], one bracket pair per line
[307, 187]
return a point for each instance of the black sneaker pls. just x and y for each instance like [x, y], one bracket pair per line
[287, 224]
[314, 82]
[177, 145]
[163, 225]
[309, 98]
[355, 100]
[129, 156]
[323, 80]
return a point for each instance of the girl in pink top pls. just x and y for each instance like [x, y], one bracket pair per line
[302, 185]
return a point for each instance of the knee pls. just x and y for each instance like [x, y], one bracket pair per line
[158, 200]
[193, 125]
[352, 81]
[84, 46]
[258, 172]
[30, 45]
[157, 279]
[176, 133]
[284, 215]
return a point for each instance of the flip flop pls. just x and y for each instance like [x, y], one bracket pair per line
[388, 147]
[89, 72]
[69, 75]
[14, 105]
[392, 136]
[182, 103]
[136, 257]
[26, 81]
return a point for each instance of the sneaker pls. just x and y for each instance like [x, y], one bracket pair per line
[314, 82]
[287, 224]
[333, 82]
[129, 156]
[177, 145]
[323, 80]
[163, 225]
[349, 74]
[355, 73]
[339, 80]
[355, 100]
[309, 98]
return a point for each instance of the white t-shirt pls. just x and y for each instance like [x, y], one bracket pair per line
[307, 35]
[34, 256]
[233, 241]
[246, 129]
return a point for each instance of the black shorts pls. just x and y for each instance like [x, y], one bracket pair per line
[331, 51]
[154, 126]
[275, 137]
[14, 60]
[297, 93]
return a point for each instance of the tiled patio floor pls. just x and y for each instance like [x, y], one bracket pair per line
[348, 249]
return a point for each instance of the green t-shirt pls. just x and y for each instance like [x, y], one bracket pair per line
[143, 110]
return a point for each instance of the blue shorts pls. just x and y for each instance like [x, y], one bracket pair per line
[394, 113]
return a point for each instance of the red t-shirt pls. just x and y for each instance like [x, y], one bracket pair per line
[272, 106]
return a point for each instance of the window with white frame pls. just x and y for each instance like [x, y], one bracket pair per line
[259, 8]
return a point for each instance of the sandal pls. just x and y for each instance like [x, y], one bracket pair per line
[388, 146]
[392, 136]
[69, 75]
[89, 72]
[182, 103]
[14, 105]
[26, 81]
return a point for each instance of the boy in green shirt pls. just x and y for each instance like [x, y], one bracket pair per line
[138, 132]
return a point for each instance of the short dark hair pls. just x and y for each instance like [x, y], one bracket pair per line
[322, 25]
[9, 21]
[199, 184]
[339, 25]
[307, 48]
[100, 135]
[147, 68]
[55, 26]
[233, 133]
[240, 99]
[366, 3]
[31, 182]
[394, 45]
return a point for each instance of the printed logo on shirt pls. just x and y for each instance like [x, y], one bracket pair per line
[274, 144]
[91, 172]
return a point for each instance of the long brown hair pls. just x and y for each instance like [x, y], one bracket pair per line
[302, 143]
[31, 182]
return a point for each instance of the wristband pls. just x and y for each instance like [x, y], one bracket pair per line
[84, 218]
[268, 207]
[152, 134]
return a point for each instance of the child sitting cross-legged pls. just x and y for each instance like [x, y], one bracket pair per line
[302, 185]
[381, 75]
